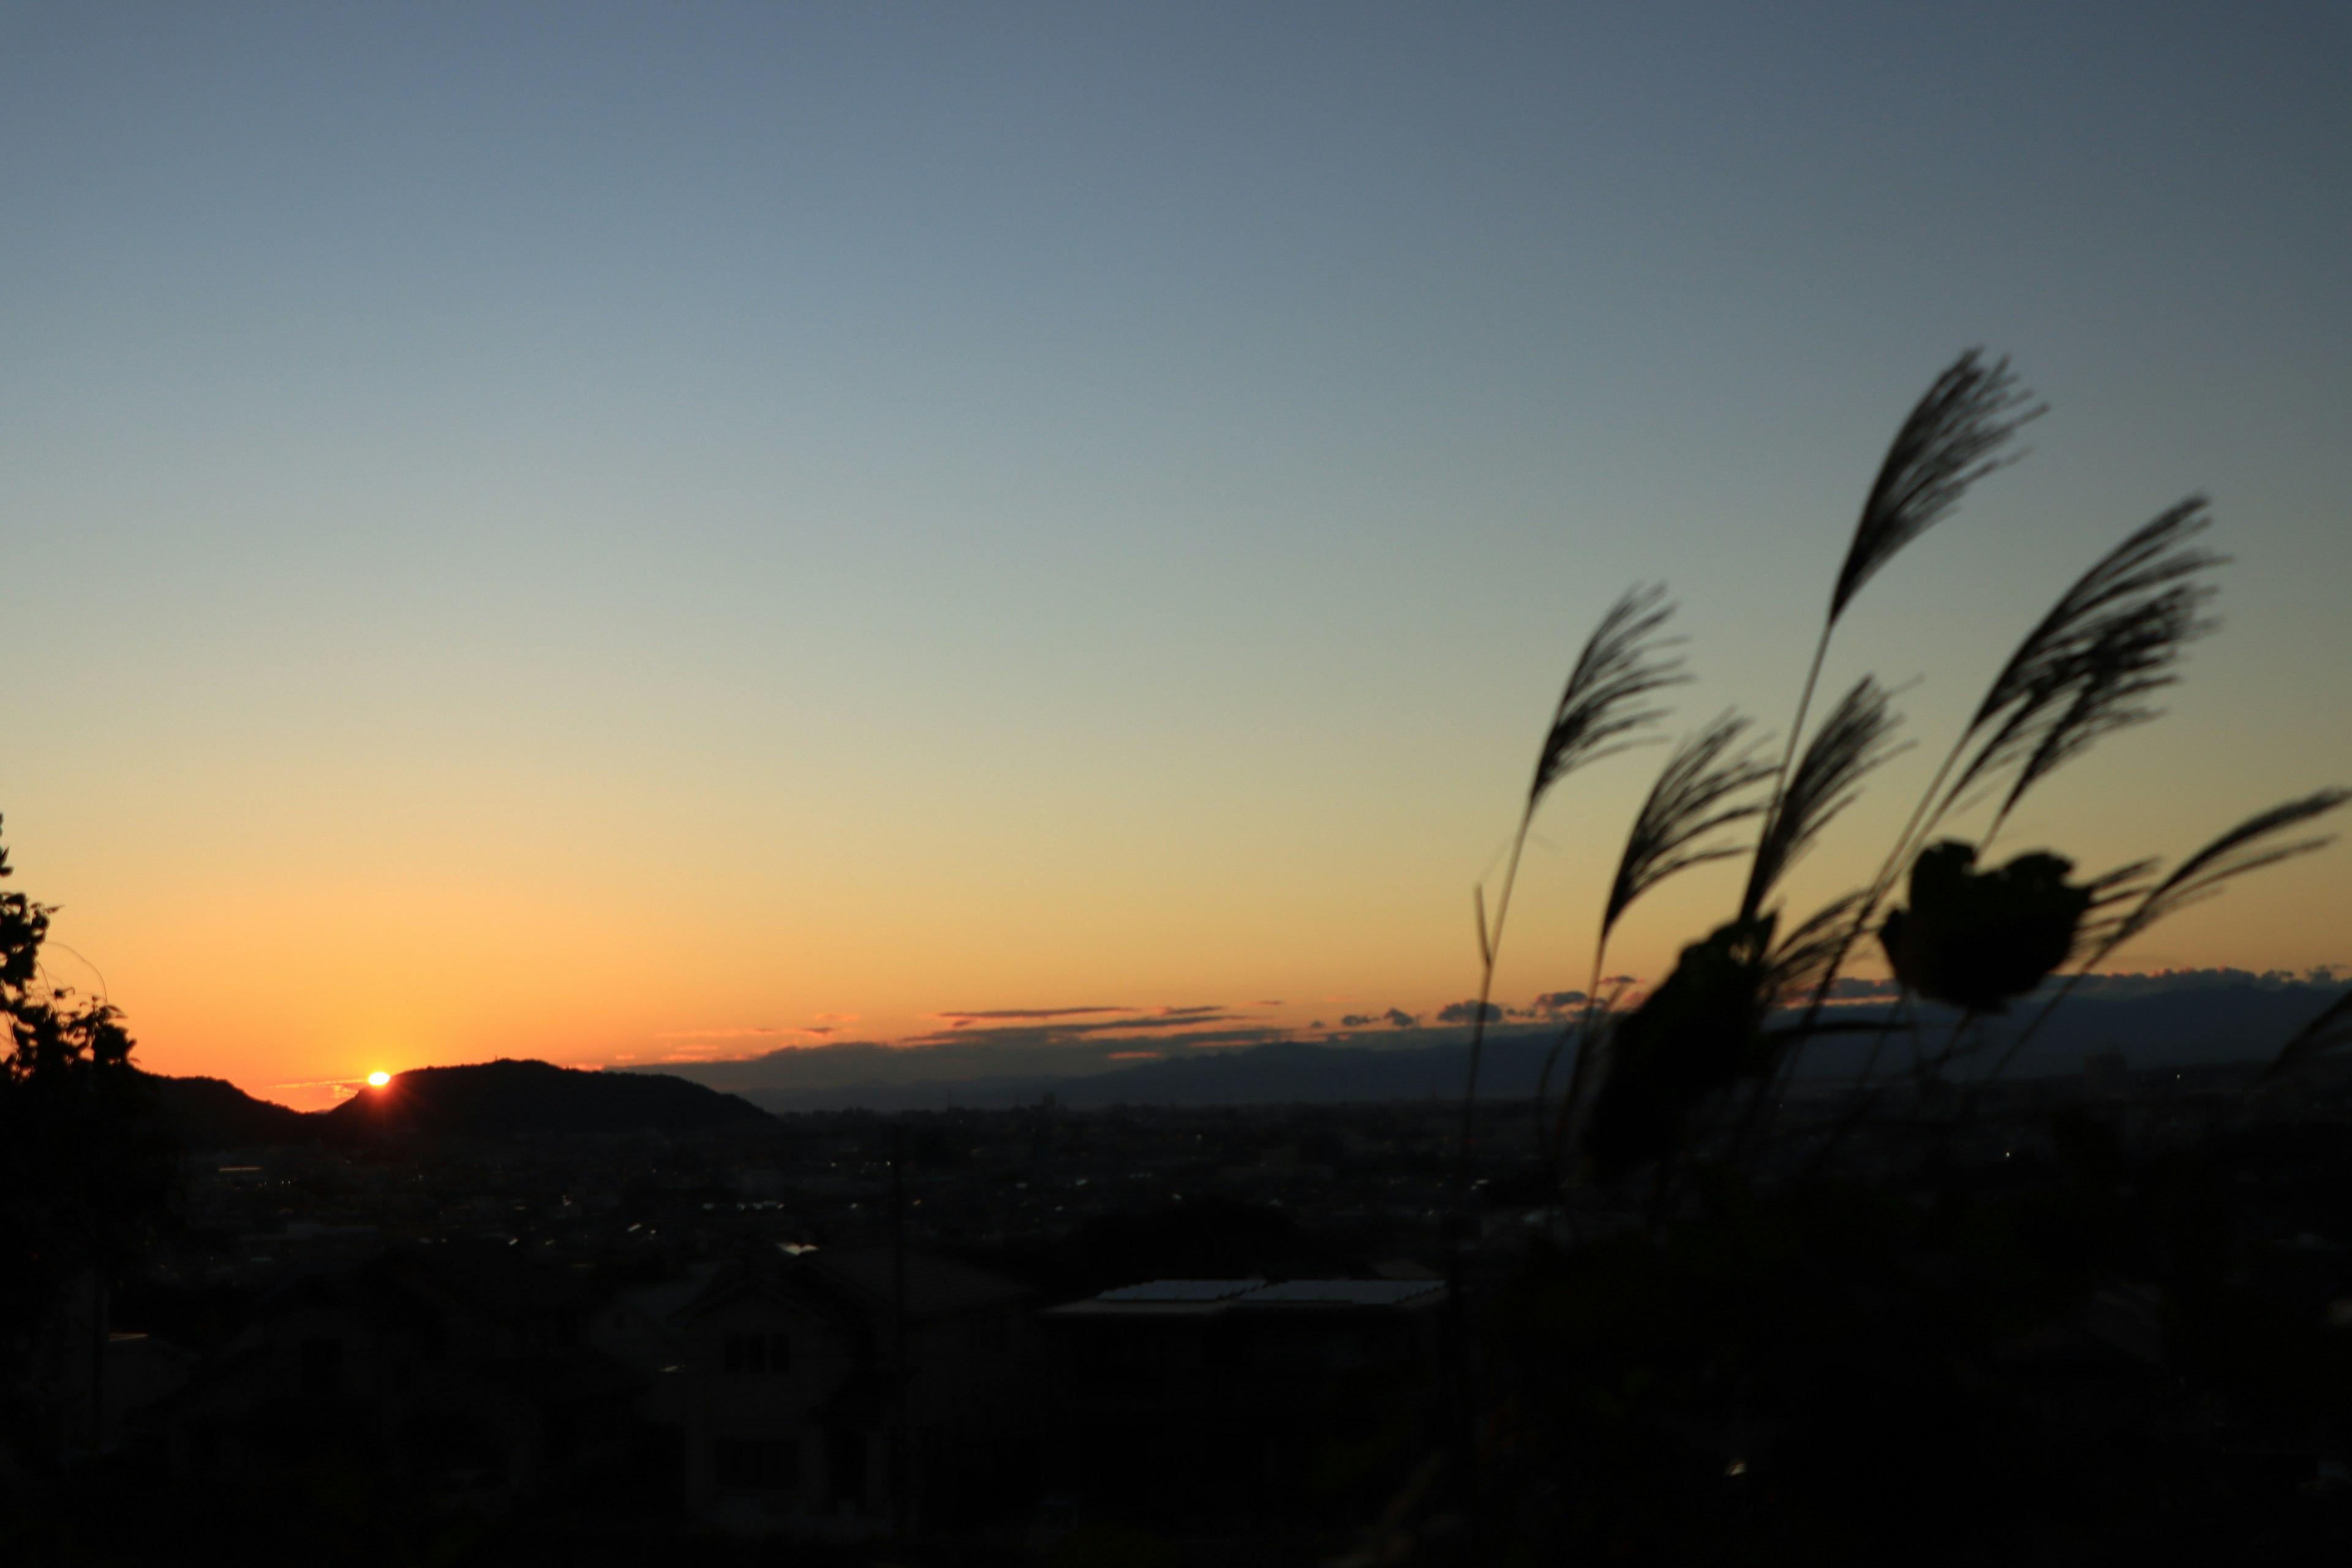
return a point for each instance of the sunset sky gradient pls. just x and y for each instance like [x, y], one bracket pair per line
[612, 532]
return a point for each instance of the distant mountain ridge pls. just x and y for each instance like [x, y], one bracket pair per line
[211, 1113]
[503, 1097]
[484, 1099]
[2152, 1028]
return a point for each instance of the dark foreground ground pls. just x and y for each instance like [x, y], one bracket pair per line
[2079, 1328]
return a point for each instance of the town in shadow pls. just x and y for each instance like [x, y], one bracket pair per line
[516, 1313]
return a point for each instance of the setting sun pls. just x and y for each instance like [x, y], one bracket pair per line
[378, 1078]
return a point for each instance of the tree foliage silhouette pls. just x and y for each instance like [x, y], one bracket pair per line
[88, 1166]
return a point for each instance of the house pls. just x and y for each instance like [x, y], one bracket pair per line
[445, 1365]
[639, 1325]
[845, 1393]
[90, 1378]
[1191, 1401]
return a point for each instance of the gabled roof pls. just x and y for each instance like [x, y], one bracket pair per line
[770, 1282]
[660, 1303]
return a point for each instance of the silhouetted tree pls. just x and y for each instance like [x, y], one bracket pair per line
[87, 1163]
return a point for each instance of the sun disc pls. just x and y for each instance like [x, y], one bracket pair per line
[378, 1078]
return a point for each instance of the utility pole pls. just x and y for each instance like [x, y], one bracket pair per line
[97, 1337]
[902, 1445]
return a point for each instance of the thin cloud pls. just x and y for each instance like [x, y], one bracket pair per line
[993, 1012]
[729, 1034]
[1221, 1039]
[1852, 988]
[1058, 1032]
[1064, 1025]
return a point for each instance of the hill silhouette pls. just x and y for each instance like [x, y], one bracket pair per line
[486, 1099]
[211, 1113]
[501, 1099]
[2156, 1022]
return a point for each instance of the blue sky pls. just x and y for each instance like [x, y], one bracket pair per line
[557, 527]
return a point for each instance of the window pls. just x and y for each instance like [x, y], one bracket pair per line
[757, 1463]
[755, 1355]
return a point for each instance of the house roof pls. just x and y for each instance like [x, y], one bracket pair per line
[769, 1281]
[661, 1302]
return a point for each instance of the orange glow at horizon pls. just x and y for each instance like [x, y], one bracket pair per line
[374, 961]
[924, 581]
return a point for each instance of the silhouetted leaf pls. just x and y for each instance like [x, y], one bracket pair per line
[1949, 441]
[2240, 850]
[1691, 800]
[1855, 738]
[1619, 667]
[1695, 1034]
[2112, 638]
[1803, 960]
[2132, 657]
[2332, 1028]
[1974, 939]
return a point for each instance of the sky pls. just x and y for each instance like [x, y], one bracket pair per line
[630, 532]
